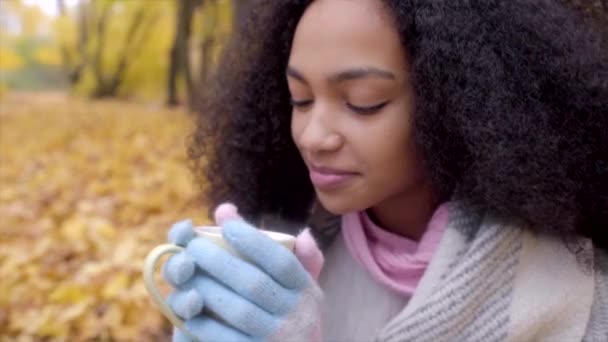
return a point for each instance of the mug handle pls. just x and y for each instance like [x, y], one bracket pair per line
[148, 273]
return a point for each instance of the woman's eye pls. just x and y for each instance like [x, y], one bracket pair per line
[300, 103]
[367, 110]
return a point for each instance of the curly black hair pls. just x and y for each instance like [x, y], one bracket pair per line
[511, 113]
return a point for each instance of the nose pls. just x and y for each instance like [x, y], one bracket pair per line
[317, 129]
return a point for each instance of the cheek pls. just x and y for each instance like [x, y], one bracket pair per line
[388, 144]
[390, 156]
[391, 161]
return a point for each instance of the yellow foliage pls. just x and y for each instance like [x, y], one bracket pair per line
[146, 76]
[147, 51]
[88, 188]
[48, 55]
[9, 60]
[65, 31]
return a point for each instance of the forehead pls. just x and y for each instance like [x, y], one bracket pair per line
[336, 34]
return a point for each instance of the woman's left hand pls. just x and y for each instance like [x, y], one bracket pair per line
[270, 297]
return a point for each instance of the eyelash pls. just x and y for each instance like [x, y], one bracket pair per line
[358, 110]
[300, 104]
[367, 110]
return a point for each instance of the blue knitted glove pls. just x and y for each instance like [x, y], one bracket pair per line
[272, 297]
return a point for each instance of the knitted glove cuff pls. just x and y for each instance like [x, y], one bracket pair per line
[303, 322]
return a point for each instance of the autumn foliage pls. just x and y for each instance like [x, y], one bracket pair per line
[87, 189]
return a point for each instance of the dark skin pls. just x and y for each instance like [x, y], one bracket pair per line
[509, 117]
[347, 84]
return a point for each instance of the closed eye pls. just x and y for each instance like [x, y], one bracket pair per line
[300, 103]
[367, 110]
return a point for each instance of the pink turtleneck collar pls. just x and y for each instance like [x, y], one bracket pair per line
[391, 259]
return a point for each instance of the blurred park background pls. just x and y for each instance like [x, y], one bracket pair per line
[94, 117]
[95, 111]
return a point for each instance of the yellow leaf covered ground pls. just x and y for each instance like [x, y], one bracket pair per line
[86, 190]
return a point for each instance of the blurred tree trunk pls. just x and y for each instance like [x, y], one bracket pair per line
[207, 43]
[100, 32]
[75, 64]
[83, 40]
[65, 53]
[108, 86]
[180, 53]
[216, 23]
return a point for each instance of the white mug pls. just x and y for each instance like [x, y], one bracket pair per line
[211, 233]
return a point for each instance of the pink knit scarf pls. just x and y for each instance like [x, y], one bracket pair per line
[391, 259]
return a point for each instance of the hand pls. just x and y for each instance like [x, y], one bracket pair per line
[272, 297]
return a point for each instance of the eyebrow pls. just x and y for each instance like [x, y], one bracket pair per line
[346, 75]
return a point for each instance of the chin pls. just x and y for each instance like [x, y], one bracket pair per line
[339, 204]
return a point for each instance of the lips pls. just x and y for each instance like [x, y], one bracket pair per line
[325, 178]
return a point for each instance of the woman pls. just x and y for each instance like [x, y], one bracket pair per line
[450, 158]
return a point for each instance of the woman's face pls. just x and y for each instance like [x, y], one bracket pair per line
[352, 105]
